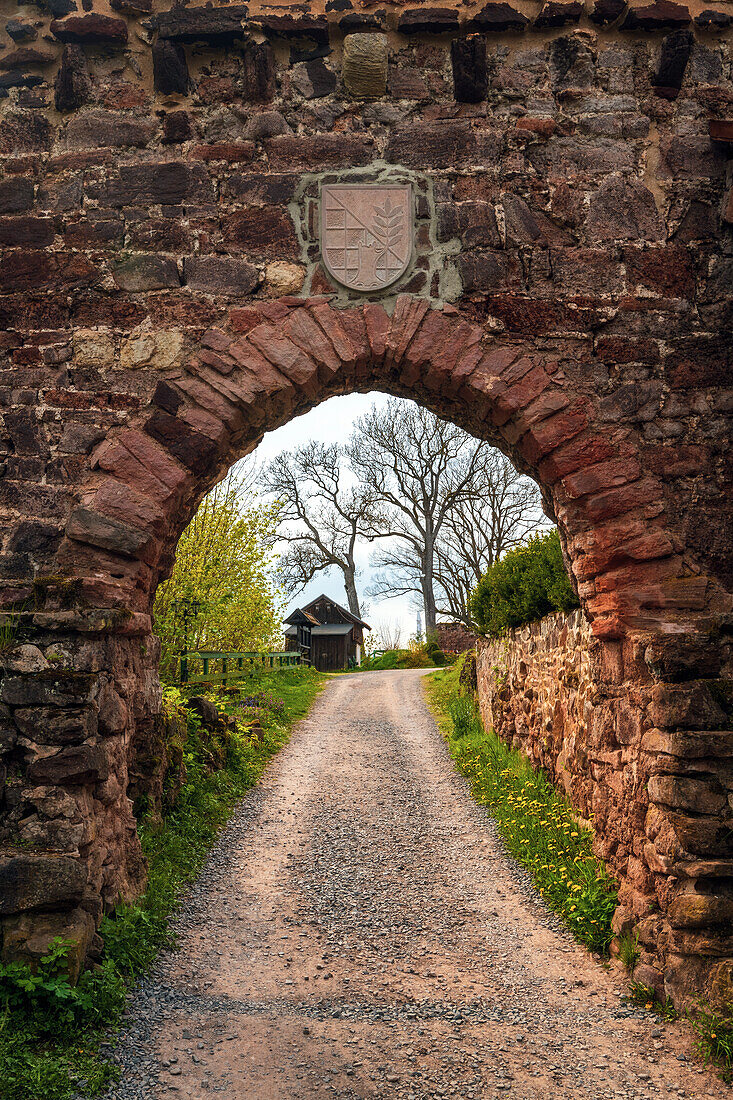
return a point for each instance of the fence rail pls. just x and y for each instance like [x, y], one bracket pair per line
[231, 665]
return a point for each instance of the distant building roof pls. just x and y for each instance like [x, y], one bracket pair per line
[343, 610]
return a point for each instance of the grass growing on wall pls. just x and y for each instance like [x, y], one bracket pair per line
[50, 1031]
[536, 823]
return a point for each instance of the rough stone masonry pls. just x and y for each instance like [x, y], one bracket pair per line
[164, 303]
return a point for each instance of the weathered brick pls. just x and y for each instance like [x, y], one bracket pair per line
[328, 150]
[91, 27]
[170, 68]
[26, 232]
[660, 13]
[220, 274]
[94, 129]
[498, 17]
[16, 195]
[145, 271]
[167, 183]
[441, 145]
[73, 87]
[470, 72]
[26, 270]
[25, 132]
[428, 21]
[262, 230]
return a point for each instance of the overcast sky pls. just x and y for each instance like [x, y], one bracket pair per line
[332, 422]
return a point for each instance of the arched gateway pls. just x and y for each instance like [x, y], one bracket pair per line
[170, 289]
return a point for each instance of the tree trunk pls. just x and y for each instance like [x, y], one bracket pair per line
[351, 594]
[428, 583]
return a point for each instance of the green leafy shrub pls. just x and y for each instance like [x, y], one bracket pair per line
[398, 658]
[526, 583]
[44, 999]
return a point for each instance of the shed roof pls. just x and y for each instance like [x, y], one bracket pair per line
[343, 610]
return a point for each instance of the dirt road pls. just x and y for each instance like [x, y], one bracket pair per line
[358, 932]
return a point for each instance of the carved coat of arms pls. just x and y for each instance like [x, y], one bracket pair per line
[366, 233]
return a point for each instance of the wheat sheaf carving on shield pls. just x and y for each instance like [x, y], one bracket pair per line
[366, 233]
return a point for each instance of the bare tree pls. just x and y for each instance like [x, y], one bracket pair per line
[500, 510]
[421, 468]
[322, 517]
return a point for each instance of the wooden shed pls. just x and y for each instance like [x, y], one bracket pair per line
[329, 637]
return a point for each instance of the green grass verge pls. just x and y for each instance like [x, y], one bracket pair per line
[50, 1031]
[536, 823]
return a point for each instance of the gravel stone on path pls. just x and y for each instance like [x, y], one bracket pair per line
[359, 931]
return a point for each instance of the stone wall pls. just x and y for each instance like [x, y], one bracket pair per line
[164, 302]
[535, 689]
[541, 690]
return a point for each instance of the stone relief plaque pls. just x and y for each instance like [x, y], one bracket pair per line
[366, 233]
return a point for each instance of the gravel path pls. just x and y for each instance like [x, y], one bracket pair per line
[359, 932]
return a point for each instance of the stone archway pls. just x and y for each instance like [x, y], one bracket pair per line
[655, 759]
[163, 303]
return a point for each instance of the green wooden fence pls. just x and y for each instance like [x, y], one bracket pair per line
[214, 667]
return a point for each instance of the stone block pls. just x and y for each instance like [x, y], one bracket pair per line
[16, 195]
[685, 706]
[675, 54]
[87, 525]
[365, 65]
[26, 232]
[682, 793]
[217, 26]
[699, 911]
[108, 129]
[558, 13]
[145, 271]
[258, 72]
[177, 127]
[28, 937]
[689, 744]
[326, 150]
[170, 68]
[73, 87]
[160, 349]
[24, 56]
[296, 25]
[498, 16]
[35, 881]
[189, 446]
[313, 79]
[654, 16]
[623, 209]
[262, 231]
[470, 72]
[428, 21]
[704, 836]
[282, 278]
[56, 725]
[35, 269]
[20, 31]
[220, 275]
[167, 184]
[91, 27]
[25, 132]
[75, 765]
[442, 145]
